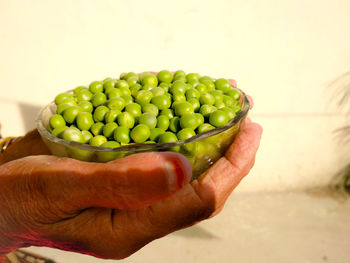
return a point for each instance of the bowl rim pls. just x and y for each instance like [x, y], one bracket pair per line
[141, 147]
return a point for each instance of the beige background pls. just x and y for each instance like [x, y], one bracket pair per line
[286, 54]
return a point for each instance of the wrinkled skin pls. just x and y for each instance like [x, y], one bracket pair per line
[110, 210]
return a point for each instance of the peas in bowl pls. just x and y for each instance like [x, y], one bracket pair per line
[197, 116]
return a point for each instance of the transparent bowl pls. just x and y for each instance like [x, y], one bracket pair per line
[201, 150]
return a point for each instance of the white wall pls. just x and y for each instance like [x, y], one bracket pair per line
[284, 53]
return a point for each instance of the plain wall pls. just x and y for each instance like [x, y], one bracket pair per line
[285, 54]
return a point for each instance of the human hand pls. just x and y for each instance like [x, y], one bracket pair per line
[63, 203]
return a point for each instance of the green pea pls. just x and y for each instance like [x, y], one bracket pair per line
[179, 97]
[201, 88]
[112, 115]
[155, 134]
[71, 113]
[123, 75]
[200, 118]
[180, 78]
[107, 79]
[217, 94]
[96, 86]
[162, 102]
[230, 112]
[128, 99]
[164, 86]
[206, 109]
[185, 134]
[183, 108]
[132, 81]
[207, 98]
[84, 120]
[157, 91]
[163, 122]
[126, 119]
[108, 84]
[178, 87]
[61, 107]
[168, 112]
[179, 73]
[62, 97]
[143, 74]
[87, 136]
[140, 133]
[189, 121]
[205, 127]
[222, 84]
[237, 107]
[165, 76]
[57, 120]
[229, 101]
[122, 84]
[209, 85]
[174, 124]
[86, 106]
[150, 80]
[195, 103]
[98, 99]
[98, 140]
[58, 131]
[122, 135]
[116, 104]
[151, 108]
[148, 119]
[114, 93]
[205, 78]
[143, 97]
[110, 144]
[74, 127]
[148, 87]
[233, 93]
[167, 137]
[134, 109]
[135, 89]
[131, 75]
[71, 134]
[84, 95]
[78, 89]
[218, 118]
[192, 93]
[219, 104]
[109, 128]
[192, 78]
[97, 128]
[100, 113]
[125, 91]
[175, 103]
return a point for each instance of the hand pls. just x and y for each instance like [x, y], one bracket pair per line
[112, 210]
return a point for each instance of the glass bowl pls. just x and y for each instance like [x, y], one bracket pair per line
[201, 150]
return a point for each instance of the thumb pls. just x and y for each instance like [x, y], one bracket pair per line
[128, 183]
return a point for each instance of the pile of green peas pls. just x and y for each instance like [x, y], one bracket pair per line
[144, 108]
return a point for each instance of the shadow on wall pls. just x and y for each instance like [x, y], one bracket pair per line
[341, 97]
[29, 114]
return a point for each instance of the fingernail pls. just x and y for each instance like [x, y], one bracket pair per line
[179, 171]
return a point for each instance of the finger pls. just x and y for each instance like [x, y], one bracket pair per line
[30, 144]
[228, 171]
[127, 183]
[233, 82]
[251, 102]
